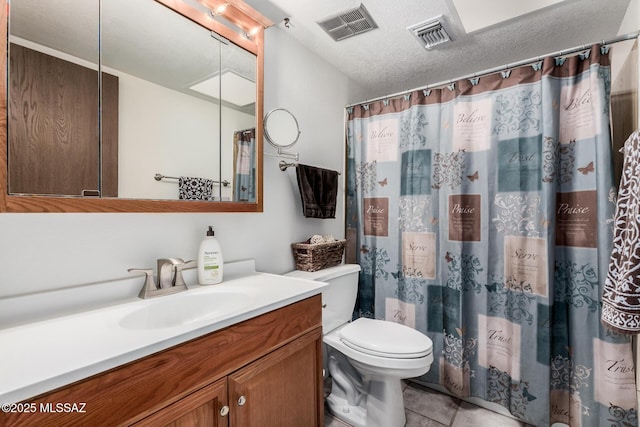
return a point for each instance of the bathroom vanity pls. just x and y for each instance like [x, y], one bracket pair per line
[252, 364]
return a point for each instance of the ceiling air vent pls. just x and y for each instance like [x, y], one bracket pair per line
[430, 33]
[349, 23]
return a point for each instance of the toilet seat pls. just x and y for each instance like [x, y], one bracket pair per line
[385, 339]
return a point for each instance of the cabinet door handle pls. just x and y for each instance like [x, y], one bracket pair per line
[242, 400]
[224, 411]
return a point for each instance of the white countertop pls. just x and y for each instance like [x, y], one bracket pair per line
[41, 356]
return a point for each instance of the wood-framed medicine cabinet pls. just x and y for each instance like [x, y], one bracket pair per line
[185, 119]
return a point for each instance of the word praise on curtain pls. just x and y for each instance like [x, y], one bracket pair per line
[481, 214]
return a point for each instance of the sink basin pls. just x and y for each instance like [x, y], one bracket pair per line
[184, 309]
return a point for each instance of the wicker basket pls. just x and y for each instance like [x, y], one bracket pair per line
[314, 257]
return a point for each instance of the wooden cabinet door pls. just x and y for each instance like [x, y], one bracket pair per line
[53, 140]
[282, 388]
[206, 407]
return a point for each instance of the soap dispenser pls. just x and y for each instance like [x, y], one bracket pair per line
[210, 264]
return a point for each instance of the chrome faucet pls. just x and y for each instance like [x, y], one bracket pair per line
[170, 278]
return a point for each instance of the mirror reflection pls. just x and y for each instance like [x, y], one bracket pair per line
[178, 104]
[53, 135]
[281, 128]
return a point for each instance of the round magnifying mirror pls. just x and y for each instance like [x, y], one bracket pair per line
[281, 128]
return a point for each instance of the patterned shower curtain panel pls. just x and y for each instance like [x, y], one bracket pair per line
[481, 214]
[621, 295]
[244, 166]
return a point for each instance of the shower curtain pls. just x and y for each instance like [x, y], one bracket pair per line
[244, 165]
[481, 214]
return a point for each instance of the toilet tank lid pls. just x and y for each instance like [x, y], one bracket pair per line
[326, 273]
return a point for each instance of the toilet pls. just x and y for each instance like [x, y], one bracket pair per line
[365, 358]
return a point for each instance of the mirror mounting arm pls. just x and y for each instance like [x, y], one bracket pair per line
[282, 153]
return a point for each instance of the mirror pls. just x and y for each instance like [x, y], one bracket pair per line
[281, 128]
[180, 109]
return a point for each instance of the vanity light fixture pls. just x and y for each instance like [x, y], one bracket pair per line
[252, 32]
[219, 10]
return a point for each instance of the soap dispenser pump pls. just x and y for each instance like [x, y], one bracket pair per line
[210, 262]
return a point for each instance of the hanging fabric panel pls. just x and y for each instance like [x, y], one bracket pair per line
[244, 166]
[481, 216]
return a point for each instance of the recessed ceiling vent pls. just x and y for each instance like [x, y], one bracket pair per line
[349, 23]
[430, 33]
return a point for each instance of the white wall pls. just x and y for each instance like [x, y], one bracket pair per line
[622, 52]
[49, 251]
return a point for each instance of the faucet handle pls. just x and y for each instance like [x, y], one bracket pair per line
[149, 284]
[179, 281]
[166, 271]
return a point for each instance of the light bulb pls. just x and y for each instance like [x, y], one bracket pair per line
[220, 9]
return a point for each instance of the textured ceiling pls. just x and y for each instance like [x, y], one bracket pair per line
[384, 61]
[389, 59]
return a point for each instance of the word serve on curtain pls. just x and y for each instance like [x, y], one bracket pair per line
[480, 214]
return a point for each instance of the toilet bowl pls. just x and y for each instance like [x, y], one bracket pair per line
[365, 358]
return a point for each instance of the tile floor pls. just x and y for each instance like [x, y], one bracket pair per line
[428, 408]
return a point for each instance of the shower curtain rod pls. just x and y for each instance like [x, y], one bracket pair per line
[621, 38]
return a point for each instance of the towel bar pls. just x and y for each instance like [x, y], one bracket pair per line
[160, 177]
[284, 165]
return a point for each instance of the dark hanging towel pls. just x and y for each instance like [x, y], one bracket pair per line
[318, 191]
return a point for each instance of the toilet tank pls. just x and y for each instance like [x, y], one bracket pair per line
[339, 299]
